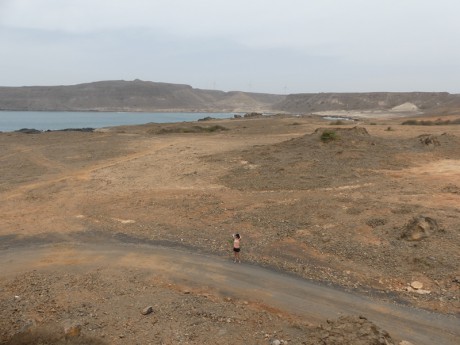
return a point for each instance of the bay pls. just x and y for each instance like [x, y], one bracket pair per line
[54, 120]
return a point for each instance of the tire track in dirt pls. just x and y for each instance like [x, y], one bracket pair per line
[82, 174]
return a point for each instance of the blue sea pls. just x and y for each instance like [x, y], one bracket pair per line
[53, 120]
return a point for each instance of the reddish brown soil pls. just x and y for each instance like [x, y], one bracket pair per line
[333, 212]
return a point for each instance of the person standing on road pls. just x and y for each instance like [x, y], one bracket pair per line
[236, 247]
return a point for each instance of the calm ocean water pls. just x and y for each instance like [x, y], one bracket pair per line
[53, 120]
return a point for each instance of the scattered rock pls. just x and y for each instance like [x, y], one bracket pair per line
[428, 139]
[350, 330]
[72, 330]
[419, 228]
[276, 342]
[29, 131]
[418, 291]
[416, 285]
[207, 118]
[423, 292]
[86, 129]
[147, 310]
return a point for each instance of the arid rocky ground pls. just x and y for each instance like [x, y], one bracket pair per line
[339, 212]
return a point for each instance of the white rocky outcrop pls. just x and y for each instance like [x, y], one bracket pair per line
[405, 107]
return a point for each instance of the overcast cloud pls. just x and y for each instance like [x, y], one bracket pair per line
[275, 46]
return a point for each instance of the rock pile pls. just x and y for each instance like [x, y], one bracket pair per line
[428, 139]
[350, 330]
[419, 228]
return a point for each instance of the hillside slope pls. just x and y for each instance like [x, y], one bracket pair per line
[398, 101]
[134, 95]
[138, 95]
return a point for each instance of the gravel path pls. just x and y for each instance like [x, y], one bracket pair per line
[310, 301]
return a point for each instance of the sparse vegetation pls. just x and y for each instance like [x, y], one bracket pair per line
[253, 114]
[193, 129]
[329, 136]
[375, 222]
[337, 123]
[437, 122]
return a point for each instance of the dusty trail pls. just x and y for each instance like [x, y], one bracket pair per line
[310, 301]
[66, 174]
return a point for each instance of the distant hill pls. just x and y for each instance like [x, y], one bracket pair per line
[149, 96]
[396, 101]
[132, 96]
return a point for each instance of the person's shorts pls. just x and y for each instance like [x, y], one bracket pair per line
[236, 249]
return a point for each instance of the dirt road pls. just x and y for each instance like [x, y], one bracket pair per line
[195, 271]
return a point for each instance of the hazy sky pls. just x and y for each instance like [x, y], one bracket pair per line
[276, 46]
